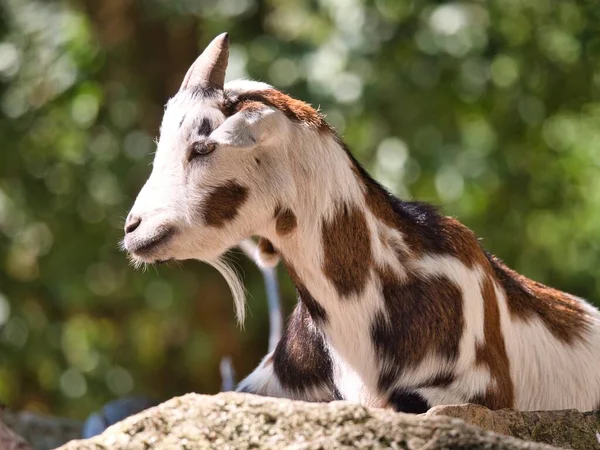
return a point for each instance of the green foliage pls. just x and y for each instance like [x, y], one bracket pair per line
[489, 109]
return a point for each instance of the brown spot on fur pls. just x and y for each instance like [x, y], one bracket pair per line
[285, 221]
[347, 250]
[294, 109]
[266, 247]
[461, 242]
[493, 353]
[223, 203]
[564, 316]
[424, 316]
[423, 228]
[250, 105]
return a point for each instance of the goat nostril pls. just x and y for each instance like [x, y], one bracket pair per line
[132, 223]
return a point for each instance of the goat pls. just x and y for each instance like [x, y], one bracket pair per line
[398, 306]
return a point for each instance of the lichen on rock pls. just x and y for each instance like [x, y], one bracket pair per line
[244, 421]
[566, 429]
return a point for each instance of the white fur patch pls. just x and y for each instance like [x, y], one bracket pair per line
[547, 373]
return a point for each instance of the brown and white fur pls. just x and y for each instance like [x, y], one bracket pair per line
[398, 305]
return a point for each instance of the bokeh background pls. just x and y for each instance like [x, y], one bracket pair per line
[489, 109]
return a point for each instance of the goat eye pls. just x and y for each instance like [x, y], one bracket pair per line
[202, 149]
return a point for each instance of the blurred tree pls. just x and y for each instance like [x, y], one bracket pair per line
[489, 109]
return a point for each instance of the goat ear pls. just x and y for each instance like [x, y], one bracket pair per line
[209, 68]
[247, 128]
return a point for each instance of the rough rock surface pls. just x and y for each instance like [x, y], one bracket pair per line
[244, 421]
[567, 429]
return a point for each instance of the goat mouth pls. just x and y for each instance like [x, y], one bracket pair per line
[145, 248]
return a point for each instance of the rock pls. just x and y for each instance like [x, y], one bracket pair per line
[40, 432]
[566, 429]
[243, 421]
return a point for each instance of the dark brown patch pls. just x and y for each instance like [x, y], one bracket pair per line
[250, 106]
[266, 247]
[562, 314]
[223, 203]
[295, 110]
[460, 242]
[347, 250]
[425, 231]
[301, 360]
[205, 127]
[285, 221]
[425, 315]
[493, 353]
